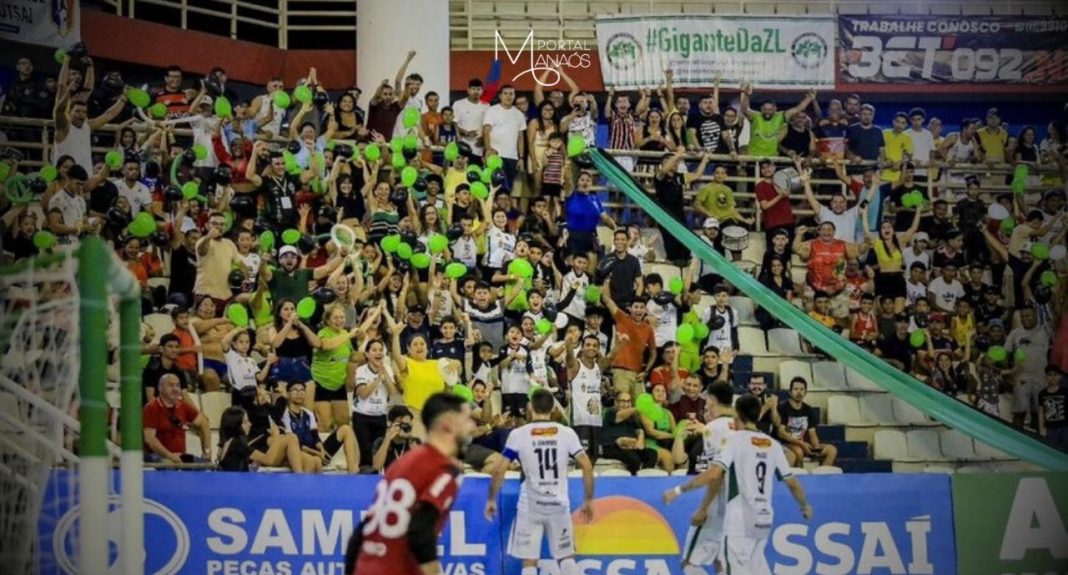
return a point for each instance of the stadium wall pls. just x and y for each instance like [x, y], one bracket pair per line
[895, 524]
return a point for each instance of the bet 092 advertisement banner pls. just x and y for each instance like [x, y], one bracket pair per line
[283, 524]
[953, 50]
[54, 23]
[1011, 524]
[768, 51]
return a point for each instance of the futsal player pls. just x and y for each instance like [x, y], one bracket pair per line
[544, 509]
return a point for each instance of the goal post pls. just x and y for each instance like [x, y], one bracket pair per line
[57, 328]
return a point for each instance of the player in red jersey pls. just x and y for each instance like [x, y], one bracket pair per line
[399, 535]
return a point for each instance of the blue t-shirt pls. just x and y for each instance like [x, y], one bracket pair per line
[583, 212]
[865, 142]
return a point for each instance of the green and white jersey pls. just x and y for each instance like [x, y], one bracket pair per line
[751, 459]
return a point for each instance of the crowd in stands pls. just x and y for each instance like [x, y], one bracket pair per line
[331, 266]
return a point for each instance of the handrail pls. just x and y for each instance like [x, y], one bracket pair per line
[921, 396]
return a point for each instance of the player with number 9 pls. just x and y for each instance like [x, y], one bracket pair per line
[399, 534]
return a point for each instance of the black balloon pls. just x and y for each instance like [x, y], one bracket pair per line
[117, 217]
[327, 212]
[213, 86]
[498, 178]
[189, 157]
[583, 161]
[455, 232]
[236, 278]
[113, 82]
[465, 149]
[473, 177]
[717, 322]
[306, 244]
[325, 296]
[160, 238]
[604, 269]
[664, 298]
[242, 203]
[1043, 294]
[920, 321]
[402, 266]
[420, 184]
[343, 151]
[38, 186]
[549, 311]
[410, 238]
[399, 196]
[173, 194]
[409, 153]
[294, 147]
[78, 51]
[320, 99]
[223, 175]
[179, 299]
[151, 169]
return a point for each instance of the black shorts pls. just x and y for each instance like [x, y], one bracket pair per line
[324, 394]
[514, 404]
[890, 285]
[581, 242]
[551, 190]
[476, 455]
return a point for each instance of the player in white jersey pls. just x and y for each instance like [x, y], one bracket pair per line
[751, 458]
[543, 448]
[704, 542]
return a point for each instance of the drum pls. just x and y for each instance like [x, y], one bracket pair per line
[787, 179]
[735, 238]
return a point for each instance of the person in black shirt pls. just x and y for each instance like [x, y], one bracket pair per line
[183, 256]
[279, 187]
[669, 185]
[18, 241]
[625, 269]
[769, 421]
[797, 140]
[974, 288]
[970, 212]
[29, 97]
[704, 130]
[243, 443]
[398, 439]
[160, 365]
[896, 349]
[989, 309]
[1053, 408]
[938, 225]
[622, 437]
[798, 429]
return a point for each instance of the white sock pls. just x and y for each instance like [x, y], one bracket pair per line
[569, 567]
[530, 571]
[694, 570]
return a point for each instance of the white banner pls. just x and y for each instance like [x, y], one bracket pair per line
[54, 23]
[771, 52]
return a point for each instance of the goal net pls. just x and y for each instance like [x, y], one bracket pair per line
[54, 448]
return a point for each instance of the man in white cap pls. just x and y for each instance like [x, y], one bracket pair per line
[917, 251]
[706, 275]
[293, 281]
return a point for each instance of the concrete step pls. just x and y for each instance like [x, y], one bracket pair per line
[864, 465]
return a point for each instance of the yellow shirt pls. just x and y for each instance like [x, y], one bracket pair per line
[993, 143]
[717, 199]
[962, 328]
[888, 262]
[453, 178]
[827, 321]
[423, 380]
[895, 145]
[213, 269]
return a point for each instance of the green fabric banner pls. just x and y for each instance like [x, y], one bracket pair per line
[928, 400]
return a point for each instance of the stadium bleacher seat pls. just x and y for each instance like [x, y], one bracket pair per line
[788, 370]
[827, 470]
[859, 382]
[161, 323]
[613, 473]
[213, 404]
[906, 414]
[652, 473]
[744, 307]
[845, 410]
[923, 444]
[784, 341]
[752, 341]
[939, 469]
[956, 445]
[799, 471]
[667, 271]
[893, 445]
[829, 375]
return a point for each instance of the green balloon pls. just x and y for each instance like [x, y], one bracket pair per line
[158, 110]
[1040, 250]
[399, 161]
[479, 191]
[494, 162]
[684, 333]
[142, 225]
[113, 159]
[918, 338]
[463, 391]
[5, 171]
[593, 294]
[408, 176]
[281, 99]
[544, 326]
[397, 144]
[455, 270]
[190, 190]
[1048, 278]
[645, 404]
[390, 243]
[410, 119]
[372, 152]
[576, 145]
[59, 55]
[237, 314]
[437, 243]
[267, 240]
[1021, 173]
[521, 267]
[1007, 225]
[1019, 356]
[452, 151]
[201, 151]
[700, 331]
[404, 251]
[49, 173]
[138, 97]
[302, 94]
[997, 354]
[410, 142]
[486, 176]
[290, 237]
[675, 286]
[44, 240]
[305, 307]
[223, 107]
[421, 260]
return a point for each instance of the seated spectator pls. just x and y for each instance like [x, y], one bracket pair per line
[166, 419]
[236, 451]
[769, 420]
[165, 362]
[776, 280]
[715, 367]
[660, 433]
[622, 436]
[397, 440]
[300, 421]
[948, 377]
[895, 348]
[375, 385]
[689, 405]
[668, 374]
[945, 290]
[490, 431]
[864, 326]
[798, 429]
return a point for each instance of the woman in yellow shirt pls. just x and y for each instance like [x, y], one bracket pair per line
[890, 275]
[418, 375]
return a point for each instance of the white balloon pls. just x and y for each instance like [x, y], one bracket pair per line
[997, 211]
[1057, 253]
[561, 320]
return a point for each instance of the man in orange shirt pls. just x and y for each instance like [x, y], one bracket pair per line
[630, 367]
